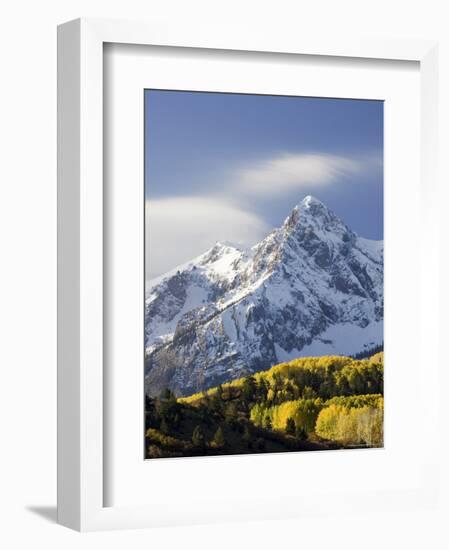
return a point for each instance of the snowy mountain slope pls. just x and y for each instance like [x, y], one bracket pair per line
[311, 287]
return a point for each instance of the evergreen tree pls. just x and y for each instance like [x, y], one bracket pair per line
[219, 438]
[247, 437]
[249, 389]
[198, 438]
[262, 390]
[164, 428]
[167, 395]
[231, 412]
[219, 393]
[290, 426]
[289, 392]
[216, 403]
[151, 416]
[300, 433]
[176, 421]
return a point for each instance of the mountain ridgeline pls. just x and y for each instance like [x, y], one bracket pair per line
[313, 403]
[311, 288]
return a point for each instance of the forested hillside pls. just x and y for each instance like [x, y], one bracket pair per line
[312, 403]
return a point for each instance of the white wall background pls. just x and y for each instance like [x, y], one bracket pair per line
[28, 267]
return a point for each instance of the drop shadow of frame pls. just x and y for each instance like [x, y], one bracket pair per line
[48, 513]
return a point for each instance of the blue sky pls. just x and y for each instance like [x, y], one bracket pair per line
[232, 166]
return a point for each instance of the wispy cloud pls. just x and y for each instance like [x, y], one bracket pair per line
[287, 171]
[180, 228]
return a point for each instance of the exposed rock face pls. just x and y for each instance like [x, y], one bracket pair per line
[311, 287]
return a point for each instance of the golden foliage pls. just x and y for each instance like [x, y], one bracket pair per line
[304, 412]
[355, 375]
[352, 425]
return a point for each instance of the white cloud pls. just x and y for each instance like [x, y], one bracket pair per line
[294, 172]
[180, 228]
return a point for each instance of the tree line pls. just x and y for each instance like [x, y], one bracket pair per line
[307, 403]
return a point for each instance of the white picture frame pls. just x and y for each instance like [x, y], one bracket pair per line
[81, 386]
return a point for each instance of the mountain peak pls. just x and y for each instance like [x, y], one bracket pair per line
[313, 215]
[221, 249]
[310, 201]
[309, 210]
[227, 244]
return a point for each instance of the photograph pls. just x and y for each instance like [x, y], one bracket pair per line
[263, 313]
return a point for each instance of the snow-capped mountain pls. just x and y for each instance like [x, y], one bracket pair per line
[311, 287]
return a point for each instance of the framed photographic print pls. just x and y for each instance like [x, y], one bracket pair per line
[263, 307]
[236, 223]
